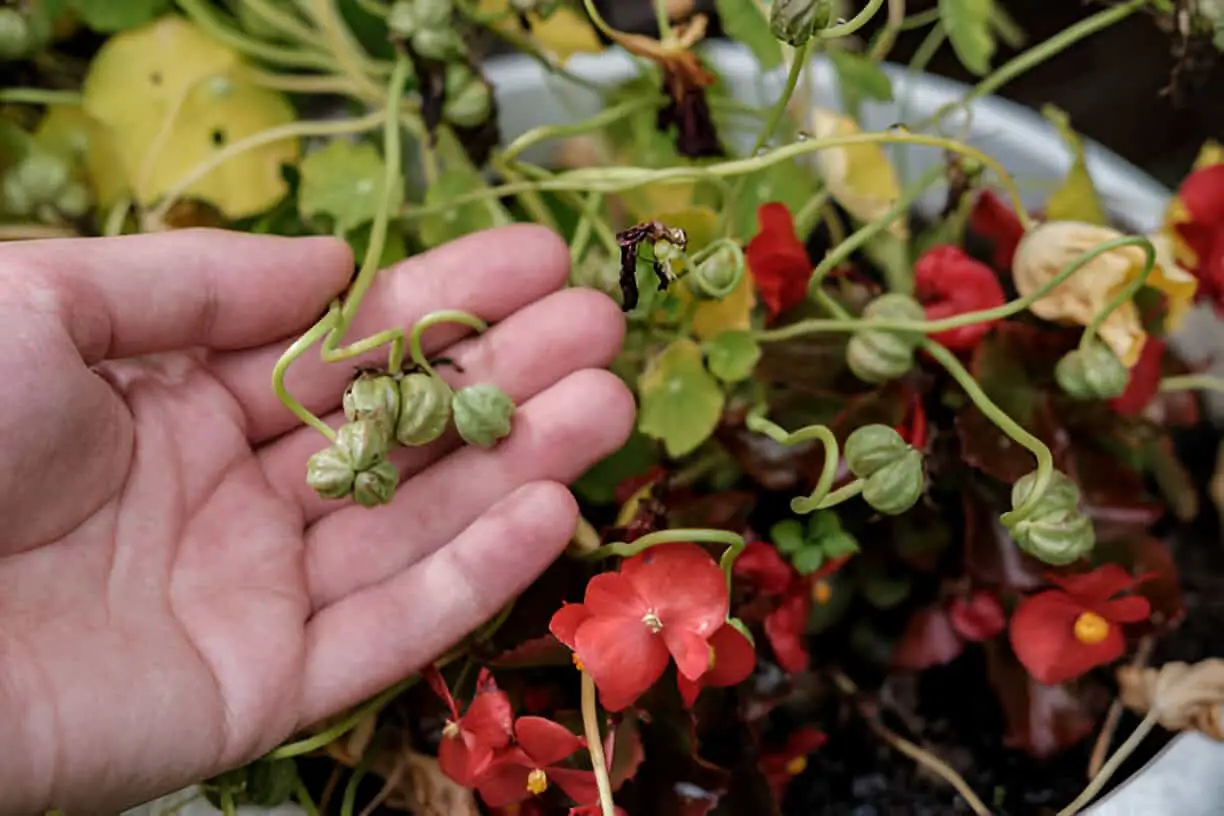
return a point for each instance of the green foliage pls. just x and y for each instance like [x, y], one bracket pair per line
[111, 16]
[732, 356]
[346, 183]
[968, 25]
[680, 401]
[860, 77]
[744, 20]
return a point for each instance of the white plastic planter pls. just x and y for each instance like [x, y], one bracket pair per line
[1185, 779]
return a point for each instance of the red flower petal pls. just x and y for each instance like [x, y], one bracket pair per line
[1043, 638]
[578, 785]
[1094, 586]
[682, 584]
[490, 719]
[463, 758]
[437, 684]
[505, 781]
[948, 283]
[690, 650]
[1131, 609]
[566, 620]
[785, 628]
[544, 741]
[995, 221]
[623, 657]
[1202, 193]
[928, 640]
[763, 568]
[1144, 379]
[978, 617]
[778, 260]
[734, 659]
[612, 594]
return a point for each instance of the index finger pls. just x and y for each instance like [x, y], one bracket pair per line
[132, 295]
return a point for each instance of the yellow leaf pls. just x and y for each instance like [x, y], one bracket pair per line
[72, 133]
[564, 33]
[732, 313]
[171, 98]
[860, 177]
[1076, 199]
[699, 223]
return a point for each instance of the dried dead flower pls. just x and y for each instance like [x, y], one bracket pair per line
[1186, 696]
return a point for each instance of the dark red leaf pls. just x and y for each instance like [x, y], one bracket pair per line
[991, 556]
[929, 640]
[1041, 720]
[1144, 379]
[623, 747]
[540, 651]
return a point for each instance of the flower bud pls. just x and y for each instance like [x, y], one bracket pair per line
[1057, 531]
[42, 175]
[376, 486]
[425, 408]
[440, 44]
[891, 469]
[469, 102]
[717, 276]
[330, 473]
[482, 414]
[1092, 372]
[365, 443]
[795, 21]
[880, 355]
[375, 397]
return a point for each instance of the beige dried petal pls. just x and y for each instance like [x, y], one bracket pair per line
[1187, 696]
[424, 790]
[1049, 248]
[860, 177]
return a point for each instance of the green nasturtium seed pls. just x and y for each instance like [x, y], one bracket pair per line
[74, 200]
[375, 397]
[402, 18]
[482, 414]
[15, 34]
[879, 355]
[377, 485]
[364, 441]
[469, 101]
[440, 44]
[425, 409]
[716, 276]
[795, 21]
[1092, 372]
[1058, 531]
[891, 470]
[330, 473]
[43, 176]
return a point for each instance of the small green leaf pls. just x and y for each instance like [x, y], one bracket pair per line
[1076, 199]
[681, 402]
[861, 76]
[394, 248]
[111, 16]
[789, 183]
[968, 23]
[344, 182]
[457, 221]
[808, 560]
[821, 524]
[598, 485]
[733, 355]
[839, 545]
[744, 20]
[885, 591]
[787, 536]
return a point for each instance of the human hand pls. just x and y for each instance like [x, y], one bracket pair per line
[174, 599]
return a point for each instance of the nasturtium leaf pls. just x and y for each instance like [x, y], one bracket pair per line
[172, 98]
[808, 560]
[345, 182]
[745, 21]
[733, 355]
[111, 16]
[74, 135]
[563, 33]
[454, 222]
[969, 30]
[681, 402]
[598, 485]
[1076, 199]
[395, 248]
[732, 313]
[791, 183]
[861, 76]
[787, 536]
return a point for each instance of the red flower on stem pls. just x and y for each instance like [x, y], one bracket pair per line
[998, 223]
[1144, 379]
[665, 603]
[949, 283]
[732, 659]
[781, 766]
[1060, 634]
[530, 766]
[778, 260]
[1199, 224]
[469, 742]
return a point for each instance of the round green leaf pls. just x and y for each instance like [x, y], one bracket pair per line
[454, 222]
[808, 560]
[968, 25]
[787, 536]
[680, 401]
[733, 355]
[344, 182]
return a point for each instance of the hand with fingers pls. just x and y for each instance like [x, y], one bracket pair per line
[175, 600]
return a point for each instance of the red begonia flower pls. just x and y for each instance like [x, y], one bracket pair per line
[595, 809]
[1144, 379]
[470, 742]
[665, 602]
[1201, 230]
[779, 767]
[778, 260]
[997, 223]
[1060, 634]
[732, 659]
[949, 283]
[529, 767]
[763, 568]
[977, 616]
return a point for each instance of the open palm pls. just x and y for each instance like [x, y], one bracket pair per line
[174, 599]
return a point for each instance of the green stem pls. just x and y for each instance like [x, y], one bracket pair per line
[598, 21]
[853, 24]
[664, 24]
[841, 494]
[536, 209]
[1124, 750]
[809, 214]
[286, 23]
[602, 119]
[1192, 382]
[802, 56]
[304, 799]
[628, 549]
[925, 52]
[590, 724]
[316, 332]
[920, 19]
[822, 433]
[1045, 460]
[434, 319]
[203, 15]
[39, 96]
[227, 801]
[325, 738]
[1126, 293]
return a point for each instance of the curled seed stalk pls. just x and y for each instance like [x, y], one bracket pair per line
[820, 497]
[434, 319]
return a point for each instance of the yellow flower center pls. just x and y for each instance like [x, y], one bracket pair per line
[451, 730]
[821, 592]
[578, 664]
[652, 622]
[797, 765]
[1091, 628]
[537, 782]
